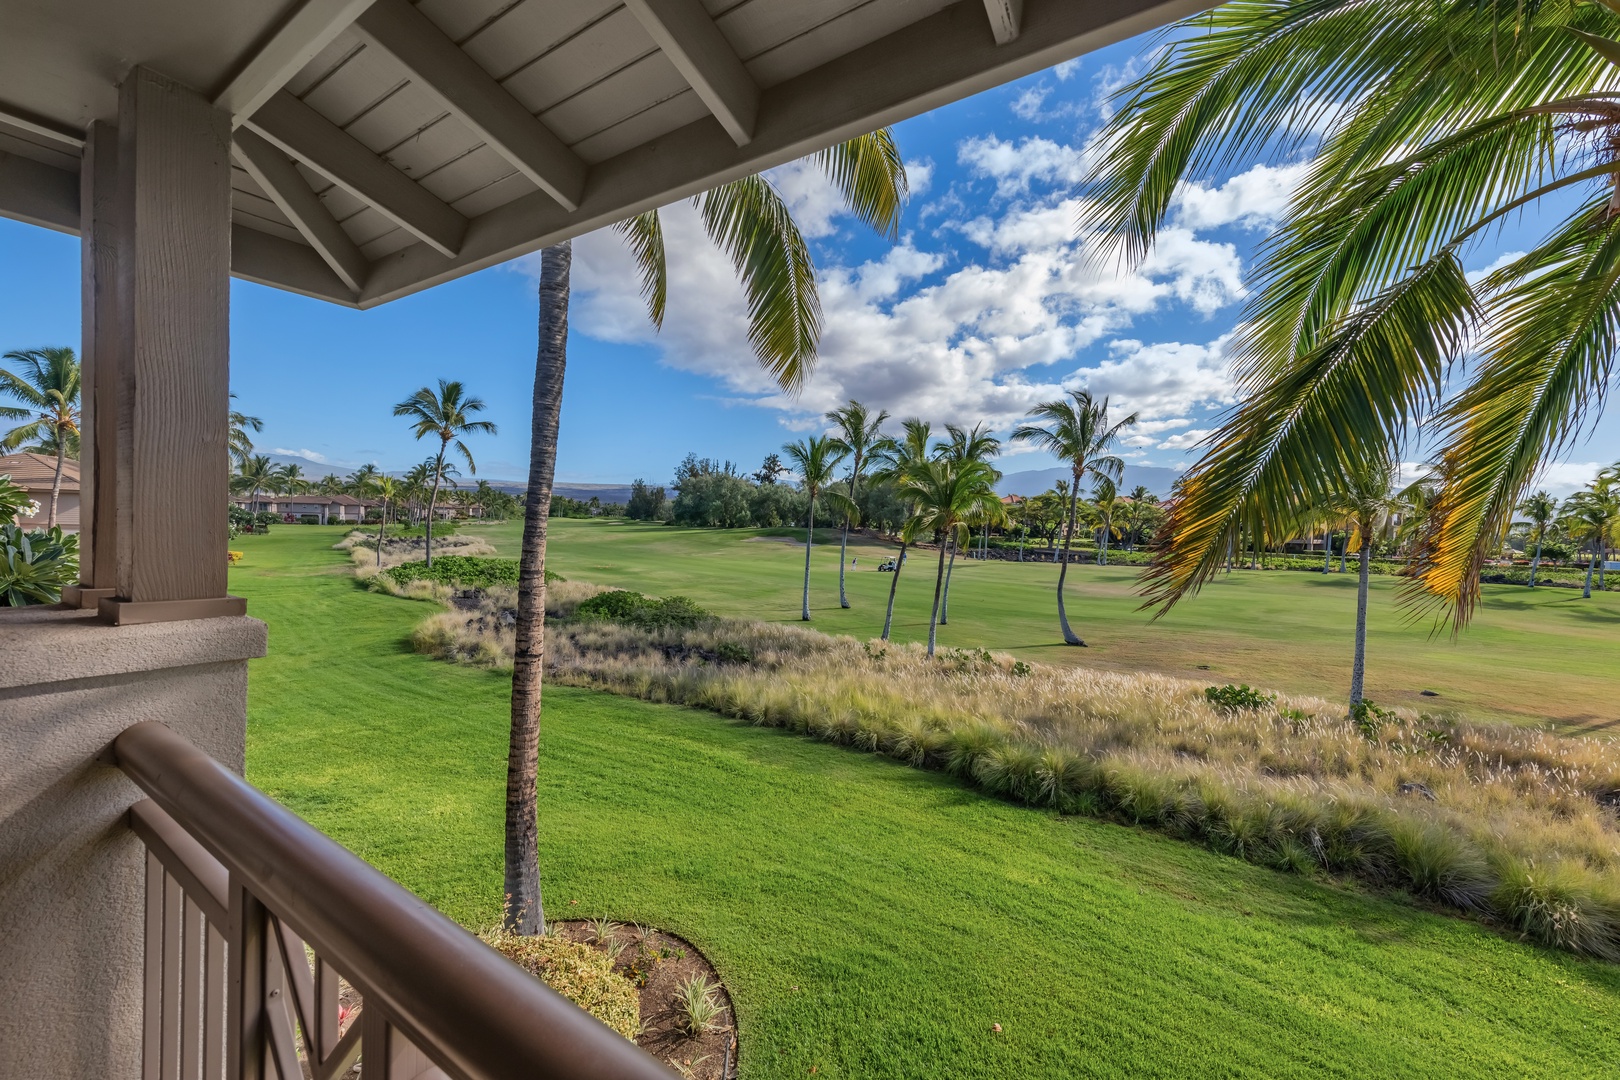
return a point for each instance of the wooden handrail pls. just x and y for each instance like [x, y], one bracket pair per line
[469, 1009]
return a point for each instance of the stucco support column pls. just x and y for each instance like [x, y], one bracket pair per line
[172, 311]
[71, 871]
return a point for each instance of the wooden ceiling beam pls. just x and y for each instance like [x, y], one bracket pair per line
[447, 73]
[306, 135]
[1006, 18]
[703, 56]
[280, 56]
[279, 177]
[937, 60]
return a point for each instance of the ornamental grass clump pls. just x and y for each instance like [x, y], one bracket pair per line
[1510, 824]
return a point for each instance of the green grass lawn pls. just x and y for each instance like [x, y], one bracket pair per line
[1530, 654]
[872, 920]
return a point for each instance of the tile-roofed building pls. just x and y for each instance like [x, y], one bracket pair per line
[34, 473]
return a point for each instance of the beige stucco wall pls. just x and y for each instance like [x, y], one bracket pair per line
[67, 510]
[71, 872]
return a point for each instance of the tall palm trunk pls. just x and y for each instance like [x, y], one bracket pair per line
[1102, 551]
[1327, 549]
[1586, 593]
[843, 542]
[939, 582]
[56, 481]
[433, 498]
[843, 553]
[1344, 551]
[894, 583]
[1535, 561]
[1358, 670]
[945, 601]
[382, 523]
[1069, 636]
[525, 913]
[809, 535]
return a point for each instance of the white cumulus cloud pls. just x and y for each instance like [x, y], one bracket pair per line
[1255, 199]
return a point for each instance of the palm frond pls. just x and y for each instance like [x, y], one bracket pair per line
[1345, 402]
[748, 220]
[645, 235]
[1548, 362]
[870, 173]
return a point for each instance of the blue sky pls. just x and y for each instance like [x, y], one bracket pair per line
[983, 308]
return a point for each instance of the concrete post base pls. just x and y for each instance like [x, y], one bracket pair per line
[71, 873]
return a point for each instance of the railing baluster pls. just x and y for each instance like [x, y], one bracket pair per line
[174, 903]
[152, 1029]
[195, 989]
[376, 1053]
[326, 1009]
[343, 1055]
[300, 986]
[244, 1032]
[278, 1013]
[214, 1006]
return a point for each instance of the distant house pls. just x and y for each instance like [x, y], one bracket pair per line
[33, 473]
[328, 508]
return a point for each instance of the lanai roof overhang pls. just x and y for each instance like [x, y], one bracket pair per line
[384, 146]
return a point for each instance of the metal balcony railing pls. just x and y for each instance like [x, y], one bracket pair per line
[252, 915]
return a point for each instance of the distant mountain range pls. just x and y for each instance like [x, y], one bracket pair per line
[608, 493]
[1030, 482]
[1034, 481]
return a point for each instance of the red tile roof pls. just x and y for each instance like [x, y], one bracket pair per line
[33, 472]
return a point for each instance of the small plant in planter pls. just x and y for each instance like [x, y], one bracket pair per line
[699, 1005]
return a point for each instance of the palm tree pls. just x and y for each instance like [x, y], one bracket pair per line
[257, 474]
[1366, 500]
[357, 482]
[386, 488]
[946, 492]
[749, 221]
[975, 445]
[1434, 119]
[1105, 498]
[860, 437]
[1593, 515]
[1076, 431]
[330, 484]
[816, 460]
[48, 387]
[901, 458]
[237, 440]
[291, 479]
[414, 485]
[1540, 510]
[446, 414]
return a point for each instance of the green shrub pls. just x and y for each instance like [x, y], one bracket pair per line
[36, 564]
[729, 652]
[465, 571]
[634, 609]
[441, 529]
[1235, 699]
[1368, 717]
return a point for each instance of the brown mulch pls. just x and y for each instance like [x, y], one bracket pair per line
[658, 962]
